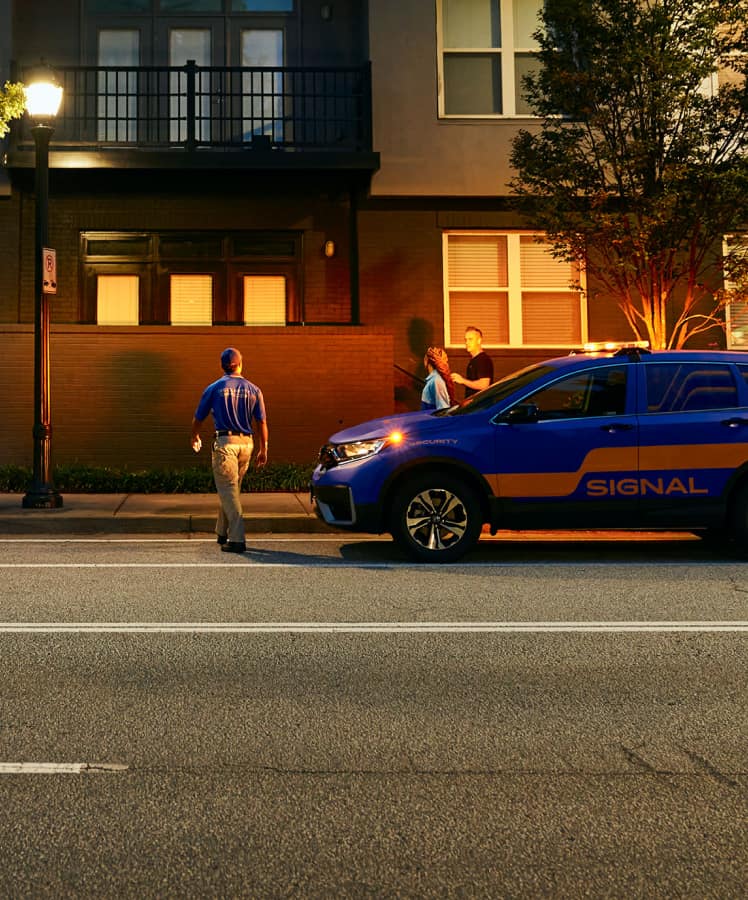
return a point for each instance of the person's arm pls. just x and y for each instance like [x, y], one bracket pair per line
[261, 432]
[477, 385]
[195, 441]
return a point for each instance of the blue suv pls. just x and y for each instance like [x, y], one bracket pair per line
[618, 439]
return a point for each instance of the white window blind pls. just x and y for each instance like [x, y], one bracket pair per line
[736, 313]
[191, 299]
[264, 300]
[477, 260]
[117, 300]
[510, 286]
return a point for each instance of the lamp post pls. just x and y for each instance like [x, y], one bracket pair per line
[43, 98]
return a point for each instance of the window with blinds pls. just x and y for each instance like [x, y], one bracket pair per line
[191, 299]
[117, 300]
[510, 286]
[736, 313]
[264, 300]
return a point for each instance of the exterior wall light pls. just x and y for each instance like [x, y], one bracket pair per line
[329, 249]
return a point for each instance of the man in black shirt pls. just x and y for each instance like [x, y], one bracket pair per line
[479, 372]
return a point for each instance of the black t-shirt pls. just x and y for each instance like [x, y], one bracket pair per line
[480, 366]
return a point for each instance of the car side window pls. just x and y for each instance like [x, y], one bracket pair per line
[596, 392]
[689, 387]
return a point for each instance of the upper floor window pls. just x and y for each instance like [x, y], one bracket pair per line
[513, 289]
[485, 49]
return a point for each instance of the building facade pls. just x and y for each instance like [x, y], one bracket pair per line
[323, 185]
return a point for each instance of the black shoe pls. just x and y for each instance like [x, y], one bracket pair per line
[221, 539]
[234, 547]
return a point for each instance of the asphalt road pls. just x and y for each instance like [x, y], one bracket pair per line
[322, 718]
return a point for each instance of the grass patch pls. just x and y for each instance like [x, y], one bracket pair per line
[80, 479]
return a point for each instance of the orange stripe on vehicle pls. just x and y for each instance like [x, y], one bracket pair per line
[561, 484]
[692, 456]
[675, 457]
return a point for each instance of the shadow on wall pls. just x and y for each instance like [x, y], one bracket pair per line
[408, 389]
[140, 409]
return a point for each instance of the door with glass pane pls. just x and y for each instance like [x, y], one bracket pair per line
[193, 97]
[119, 52]
[262, 90]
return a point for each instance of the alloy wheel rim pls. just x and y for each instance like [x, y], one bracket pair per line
[436, 519]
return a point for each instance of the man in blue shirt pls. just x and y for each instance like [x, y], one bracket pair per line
[238, 411]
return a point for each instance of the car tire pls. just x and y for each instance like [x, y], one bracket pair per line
[436, 518]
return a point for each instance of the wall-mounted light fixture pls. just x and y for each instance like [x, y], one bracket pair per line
[329, 249]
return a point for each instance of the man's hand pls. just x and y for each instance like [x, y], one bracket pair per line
[458, 379]
[261, 458]
[196, 443]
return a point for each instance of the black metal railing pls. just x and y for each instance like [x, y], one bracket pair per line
[193, 107]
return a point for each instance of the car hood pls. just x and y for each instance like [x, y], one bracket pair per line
[376, 428]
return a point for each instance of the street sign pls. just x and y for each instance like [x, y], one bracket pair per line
[49, 271]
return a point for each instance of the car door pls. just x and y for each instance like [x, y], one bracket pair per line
[566, 456]
[694, 435]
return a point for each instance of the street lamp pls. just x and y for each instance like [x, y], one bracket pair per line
[43, 98]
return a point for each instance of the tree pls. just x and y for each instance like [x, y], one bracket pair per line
[12, 102]
[639, 166]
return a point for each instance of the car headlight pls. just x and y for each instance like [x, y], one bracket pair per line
[359, 449]
[335, 454]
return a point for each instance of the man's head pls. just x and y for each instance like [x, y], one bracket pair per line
[231, 361]
[473, 340]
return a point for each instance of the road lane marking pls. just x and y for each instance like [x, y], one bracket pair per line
[41, 768]
[366, 627]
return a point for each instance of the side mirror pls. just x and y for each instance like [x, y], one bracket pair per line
[521, 414]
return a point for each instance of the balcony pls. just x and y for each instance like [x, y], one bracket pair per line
[193, 117]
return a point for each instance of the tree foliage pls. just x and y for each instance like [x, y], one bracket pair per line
[639, 166]
[12, 102]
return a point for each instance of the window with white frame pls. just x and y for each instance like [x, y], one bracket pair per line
[736, 311]
[510, 286]
[485, 48]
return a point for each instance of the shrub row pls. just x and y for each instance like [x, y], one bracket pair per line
[80, 479]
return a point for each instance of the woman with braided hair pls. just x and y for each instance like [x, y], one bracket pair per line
[439, 390]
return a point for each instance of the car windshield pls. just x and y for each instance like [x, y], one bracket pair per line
[499, 390]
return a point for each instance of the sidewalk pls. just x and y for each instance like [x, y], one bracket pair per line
[158, 513]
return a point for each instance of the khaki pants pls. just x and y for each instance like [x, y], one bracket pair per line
[230, 459]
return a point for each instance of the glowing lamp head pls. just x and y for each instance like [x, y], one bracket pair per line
[43, 95]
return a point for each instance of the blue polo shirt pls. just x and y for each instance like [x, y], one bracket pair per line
[234, 402]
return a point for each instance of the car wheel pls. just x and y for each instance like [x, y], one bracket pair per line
[436, 518]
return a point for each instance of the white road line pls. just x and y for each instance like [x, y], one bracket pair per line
[365, 627]
[41, 768]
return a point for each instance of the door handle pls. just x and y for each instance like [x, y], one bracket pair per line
[735, 422]
[616, 426]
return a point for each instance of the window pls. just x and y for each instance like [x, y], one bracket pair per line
[689, 387]
[118, 90]
[191, 278]
[736, 312]
[513, 289]
[264, 300]
[600, 392]
[117, 299]
[485, 48]
[191, 299]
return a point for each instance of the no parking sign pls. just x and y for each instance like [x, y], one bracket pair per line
[49, 271]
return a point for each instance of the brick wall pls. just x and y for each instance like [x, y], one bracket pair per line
[125, 396]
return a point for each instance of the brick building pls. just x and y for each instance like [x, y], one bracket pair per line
[323, 185]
